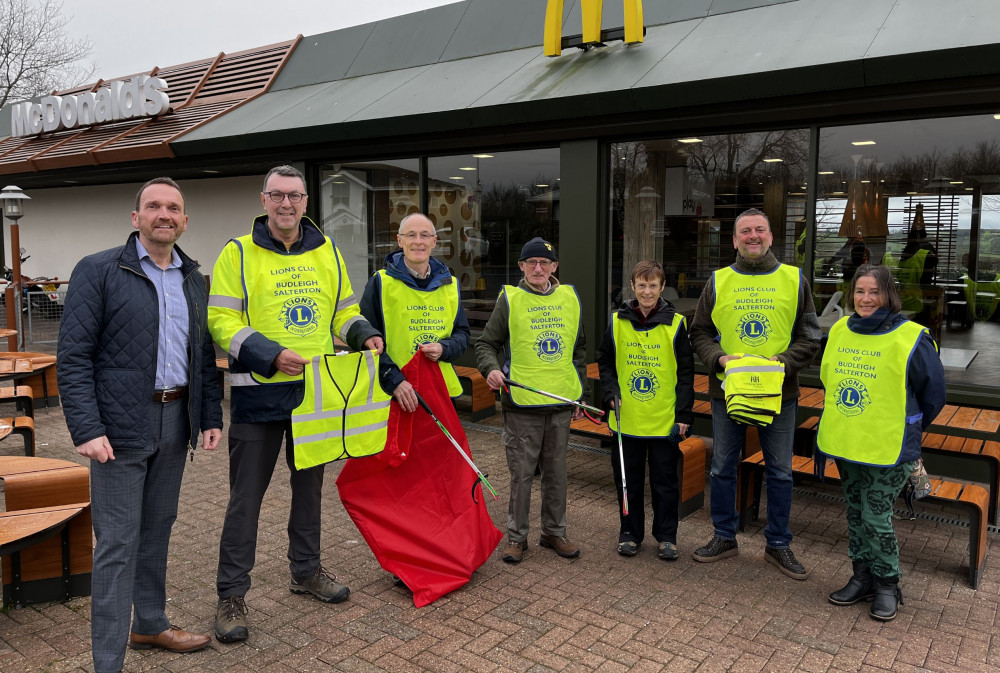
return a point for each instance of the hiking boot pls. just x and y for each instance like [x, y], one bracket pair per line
[560, 544]
[667, 551]
[786, 562]
[887, 597]
[322, 585]
[717, 549]
[514, 551]
[231, 620]
[628, 548]
[861, 586]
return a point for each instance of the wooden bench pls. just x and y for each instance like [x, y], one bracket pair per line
[42, 562]
[971, 499]
[24, 427]
[483, 400]
[22, 396]
[691, 468]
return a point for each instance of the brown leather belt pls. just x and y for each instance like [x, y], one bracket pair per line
[169, 395]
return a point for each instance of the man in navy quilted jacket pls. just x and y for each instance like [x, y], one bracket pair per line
[138, 381]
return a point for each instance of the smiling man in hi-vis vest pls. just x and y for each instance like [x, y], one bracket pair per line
[761, 307]
[415, 302]
[535, 337]
[279, 294]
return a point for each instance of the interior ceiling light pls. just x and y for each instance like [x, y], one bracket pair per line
[957, 182]
[865, 182]
[910, 193]
[466, 168]
[996, 116]
[210, 171]
[836, 192]
[862, 142]
[690, 140]
[456, 177]
[541, 185]
[772, 161]
[482, 156]
[968, 189]
[825, 173]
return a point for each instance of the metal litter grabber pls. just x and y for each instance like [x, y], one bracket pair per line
[482, 477]
[621, 453]
[576, 403]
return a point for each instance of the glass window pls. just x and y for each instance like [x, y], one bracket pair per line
[675, 200]
[361, 205]
[923, 198]
[485, 206]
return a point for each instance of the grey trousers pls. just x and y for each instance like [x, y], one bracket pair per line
[253, 453]
[134, 505]
[536, 440]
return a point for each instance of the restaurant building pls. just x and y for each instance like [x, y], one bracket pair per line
[866, 129]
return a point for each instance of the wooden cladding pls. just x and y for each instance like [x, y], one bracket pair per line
[200, 91]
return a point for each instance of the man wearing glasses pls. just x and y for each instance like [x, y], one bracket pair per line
[279, 295]
[415, 302]
[535, 337]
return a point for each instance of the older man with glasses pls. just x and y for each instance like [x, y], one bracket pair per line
[535, 336]
[279, 294]
[415, 302]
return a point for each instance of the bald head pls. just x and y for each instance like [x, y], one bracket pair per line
[417, 238]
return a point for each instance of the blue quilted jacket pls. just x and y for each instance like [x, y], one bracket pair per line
[108, 344]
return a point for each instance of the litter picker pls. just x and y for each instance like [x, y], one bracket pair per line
[575, 403]
[621, 454]
[482, 477]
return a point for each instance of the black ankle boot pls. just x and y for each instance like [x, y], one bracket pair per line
[861, 586]
[887, 595]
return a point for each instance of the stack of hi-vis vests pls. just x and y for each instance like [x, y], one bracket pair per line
[753, 389]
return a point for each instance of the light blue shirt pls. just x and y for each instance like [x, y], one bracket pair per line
[172, 351]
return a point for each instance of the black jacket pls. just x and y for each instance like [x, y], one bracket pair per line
[452, 347]
[108, 344]
[608, 366]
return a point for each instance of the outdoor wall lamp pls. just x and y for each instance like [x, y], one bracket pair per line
[12, 197]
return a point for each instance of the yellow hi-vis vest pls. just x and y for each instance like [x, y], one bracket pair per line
[290, 299]
[543, 332]
[755, 313]
[864, 410]
[344, 413]
[752, 387]
[412, 318]
[647, 377]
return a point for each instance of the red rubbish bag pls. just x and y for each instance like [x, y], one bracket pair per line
[413, 502]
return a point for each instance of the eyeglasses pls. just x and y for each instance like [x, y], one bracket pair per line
[544, 263]
[412, 236]
[293, 197]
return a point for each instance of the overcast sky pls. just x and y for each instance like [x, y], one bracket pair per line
[132, 37]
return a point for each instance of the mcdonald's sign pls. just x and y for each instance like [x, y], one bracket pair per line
[591, 10]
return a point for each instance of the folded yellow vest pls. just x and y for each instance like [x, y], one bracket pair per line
[752, 387]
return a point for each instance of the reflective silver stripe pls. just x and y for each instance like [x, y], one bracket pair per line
[345, 302]
[370, 363]
[320, 415]
[347, 326]
[336, 434]
[245, 379]
[317, 384]
[757, 369]
[236, 343]
[223, 301]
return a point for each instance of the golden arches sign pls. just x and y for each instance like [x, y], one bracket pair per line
[590, 11]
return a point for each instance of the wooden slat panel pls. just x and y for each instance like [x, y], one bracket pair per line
[953, 443]
[946, 413]
[593, 372]
[988, 421]
[693, 452]
[974, 446]
[949, 490]
[963, 418]
[933, 440]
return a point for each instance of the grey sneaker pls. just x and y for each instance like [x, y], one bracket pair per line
[667, 551]
[322, 585]
[231, 620]
[786, 562]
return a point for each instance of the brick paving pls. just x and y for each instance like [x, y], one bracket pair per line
[600, 612]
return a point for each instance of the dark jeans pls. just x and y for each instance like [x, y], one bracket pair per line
[776, 440]
[253, 453]
[662, 455]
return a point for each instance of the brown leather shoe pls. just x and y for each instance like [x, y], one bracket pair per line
[514, 551]
[173, 639]
[560, 544]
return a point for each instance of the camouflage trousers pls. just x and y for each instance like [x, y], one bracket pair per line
[870, 493]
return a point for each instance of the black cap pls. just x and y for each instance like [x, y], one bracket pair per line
[538, 247]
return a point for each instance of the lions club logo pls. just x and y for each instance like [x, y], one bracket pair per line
[300, 316]
[642, 385]
[754, 329]
[549, 346]
[852, 397]
[422, 339]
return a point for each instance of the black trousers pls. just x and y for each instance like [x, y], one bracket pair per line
[253, 453]
[663, 456]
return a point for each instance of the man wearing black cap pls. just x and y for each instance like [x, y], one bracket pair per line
[535, 337]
